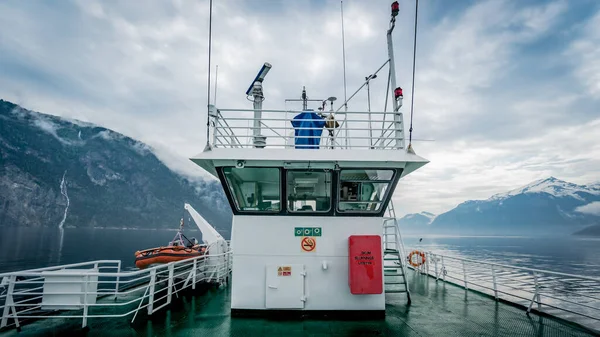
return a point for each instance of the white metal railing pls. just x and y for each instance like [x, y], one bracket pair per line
[356, 130]
[99, 289]
[573, 297]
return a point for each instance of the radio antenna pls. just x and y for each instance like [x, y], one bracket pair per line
[412, 91]
[344, 63]
[216, 79]
[344, 55]
[208, 82]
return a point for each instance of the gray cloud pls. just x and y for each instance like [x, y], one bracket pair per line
[502, 113]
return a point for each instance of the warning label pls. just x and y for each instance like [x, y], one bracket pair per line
[284, 271]
[365, 258]
[308, 244]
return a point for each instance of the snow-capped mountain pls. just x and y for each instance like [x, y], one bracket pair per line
[544, 206]
[416, 219]
[552, 186]
[56, 172]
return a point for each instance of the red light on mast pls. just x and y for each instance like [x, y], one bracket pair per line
[395, 8]
[398, 93]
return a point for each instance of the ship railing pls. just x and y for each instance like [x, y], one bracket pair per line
[575, 298]
[100, 289]
[235, 128]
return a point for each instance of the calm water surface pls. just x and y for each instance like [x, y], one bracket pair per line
[24, 248]
[574, 255]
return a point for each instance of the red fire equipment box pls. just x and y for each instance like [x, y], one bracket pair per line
[365, 264]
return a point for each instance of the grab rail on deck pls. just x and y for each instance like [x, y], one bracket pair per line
[572, 297]
[234, 128]
[82, 290]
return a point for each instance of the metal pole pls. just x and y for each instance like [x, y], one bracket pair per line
[85, 306]
[368, 79]
[194, 274]
[465, 274]
[258, 99]
[397, 120]
[8, 303]
[344, 63]
[117, 281]
[215, 115]
[216, 82]
[537, 291]
[359, 88]
[208, 81]
[170, 283]
[494, 281]
[436, 269]
[151, 294]
[443, 269]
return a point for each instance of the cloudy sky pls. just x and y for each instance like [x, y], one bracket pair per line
[509, 90]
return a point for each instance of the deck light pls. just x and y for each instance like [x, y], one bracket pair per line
[395, 8]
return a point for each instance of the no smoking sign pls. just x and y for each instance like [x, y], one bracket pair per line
[308, 244]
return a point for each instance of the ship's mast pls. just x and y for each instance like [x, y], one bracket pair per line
[397, 103]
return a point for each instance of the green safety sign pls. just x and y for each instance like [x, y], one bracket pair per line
[307, 231]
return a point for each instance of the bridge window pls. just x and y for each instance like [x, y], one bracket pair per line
[254, 189]
[308, 191]
[363, 191]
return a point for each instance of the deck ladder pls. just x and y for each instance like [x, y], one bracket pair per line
[394, 270]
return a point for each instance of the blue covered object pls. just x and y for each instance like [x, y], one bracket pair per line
[315, 123]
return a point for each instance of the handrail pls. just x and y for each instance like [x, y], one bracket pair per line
[572, 296]
[27, 290]
[239, 128]
[597, 279]
[80, 264]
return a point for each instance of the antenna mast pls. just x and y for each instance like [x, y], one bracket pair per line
[344, 63]
[208, 86]
[412, 92]
[216, 79]
[397, 103]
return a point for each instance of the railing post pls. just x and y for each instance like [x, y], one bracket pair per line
[436, 269]
[494, 281]
[117, 280]
[536, 295]
[537, 290]
[8, 303]
[194, 274]
[151, 292]
[214, 113]
[428, 256]
[85, 295]
[170, 283]
[443, 269]
[465, 274]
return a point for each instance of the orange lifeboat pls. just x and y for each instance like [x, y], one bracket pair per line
[177, 250]
[167, 254]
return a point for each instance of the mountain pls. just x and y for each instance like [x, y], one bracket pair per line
[57, 172]
[547, 206]
[589, 231]
[416, 219]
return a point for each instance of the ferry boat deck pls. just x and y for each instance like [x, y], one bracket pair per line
[437, 309]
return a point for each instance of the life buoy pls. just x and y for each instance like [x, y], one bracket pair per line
[418, 254]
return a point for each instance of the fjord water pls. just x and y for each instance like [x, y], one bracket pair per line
[26, 248]
[565, 254]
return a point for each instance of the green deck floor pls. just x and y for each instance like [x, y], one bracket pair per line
[437, 309]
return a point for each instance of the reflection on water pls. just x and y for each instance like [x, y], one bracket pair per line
[572, 255]
[22, 248]
[26, 248]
